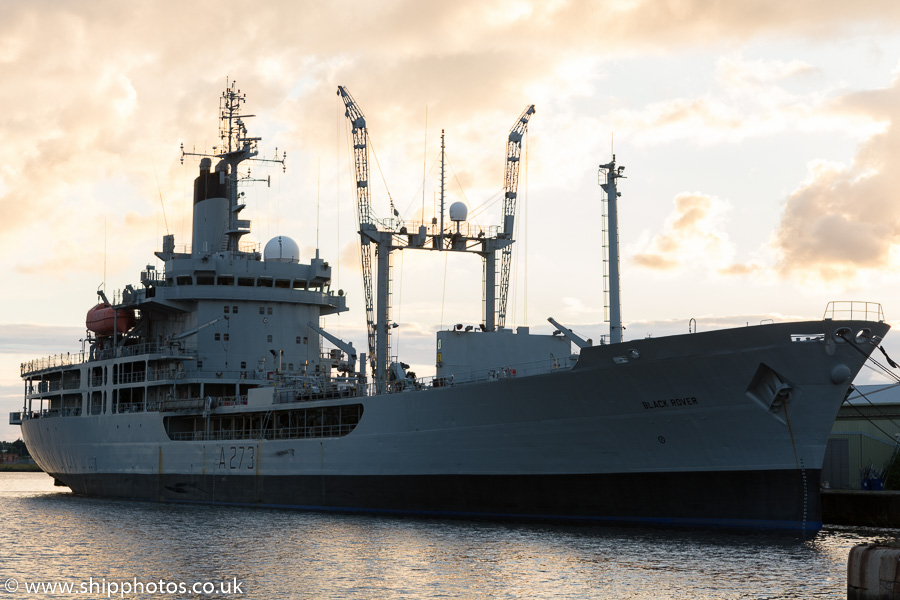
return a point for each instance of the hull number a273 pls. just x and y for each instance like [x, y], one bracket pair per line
[237, 457]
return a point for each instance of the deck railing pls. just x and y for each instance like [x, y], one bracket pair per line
[269, 433]
[197, 404]
[53, 412]
[854, 310]
[335, 388]
[139, 349]
[153, 375]
[51, 362]
[69, 359]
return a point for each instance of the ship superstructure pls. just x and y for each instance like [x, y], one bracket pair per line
[215, 323]
[210, 382]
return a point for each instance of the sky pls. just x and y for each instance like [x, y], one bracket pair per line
[756, 136]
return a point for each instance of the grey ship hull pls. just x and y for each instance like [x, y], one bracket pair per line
[767, 499]
[686, 429]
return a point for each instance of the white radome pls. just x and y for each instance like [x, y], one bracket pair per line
[458, 211]
[282, 249]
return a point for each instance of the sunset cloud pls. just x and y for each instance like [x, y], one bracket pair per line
[845, 219]
[737, 73]
[754, 99]
[693, 235]
[79, 112]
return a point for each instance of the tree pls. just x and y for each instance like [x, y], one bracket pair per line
[18, 447]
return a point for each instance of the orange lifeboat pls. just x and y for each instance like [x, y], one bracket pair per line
[103, 319]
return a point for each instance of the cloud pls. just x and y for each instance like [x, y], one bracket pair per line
[740, 269]
[654, 261]
[704, 22]
[80, 112]
[753, 99]
[737, 73]
[844, 220]
[350, 257]
[693, 235]
[38, 339]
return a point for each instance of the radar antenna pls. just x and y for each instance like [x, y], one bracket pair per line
[235, 147]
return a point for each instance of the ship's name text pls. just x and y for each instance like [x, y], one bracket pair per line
[670, 403]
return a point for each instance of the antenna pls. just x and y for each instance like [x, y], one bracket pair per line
[161, 203]
[318, 186]
[424, 159]
[442, 189]
[235, 148]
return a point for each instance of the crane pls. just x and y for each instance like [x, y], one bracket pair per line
[388, 235]
[513, 153]
[346, 347]
[570, 335]
[363, 207]
[378, 328]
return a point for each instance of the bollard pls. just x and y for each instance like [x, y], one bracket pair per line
[872, 573]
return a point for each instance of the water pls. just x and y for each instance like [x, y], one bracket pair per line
[50, 536]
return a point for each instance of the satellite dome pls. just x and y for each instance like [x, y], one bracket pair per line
[282, 249]
[458, 211]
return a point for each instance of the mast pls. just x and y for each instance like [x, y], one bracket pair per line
[615, 306]
[442, 189]
[216, 225]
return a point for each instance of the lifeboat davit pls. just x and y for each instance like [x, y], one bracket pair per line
[103, 319]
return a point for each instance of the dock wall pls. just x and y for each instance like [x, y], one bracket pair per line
[867, 508]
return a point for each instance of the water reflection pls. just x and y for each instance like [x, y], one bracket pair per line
[51, 535]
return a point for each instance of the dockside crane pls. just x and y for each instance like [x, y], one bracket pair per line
[513, 154]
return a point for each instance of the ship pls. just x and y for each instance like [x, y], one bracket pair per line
[214, 381]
